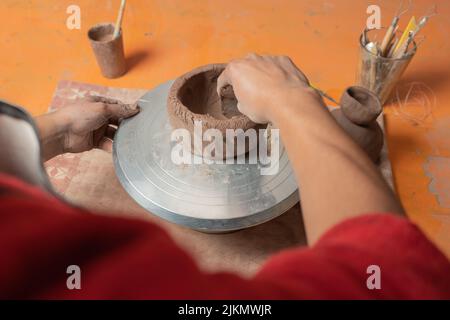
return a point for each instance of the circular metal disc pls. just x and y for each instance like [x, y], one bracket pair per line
[208, 198]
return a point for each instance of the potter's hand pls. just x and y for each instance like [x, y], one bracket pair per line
[89, 121]
[338, 180]
[261, 84]
[82, 126]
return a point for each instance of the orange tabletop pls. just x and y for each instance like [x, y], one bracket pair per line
[165, 38]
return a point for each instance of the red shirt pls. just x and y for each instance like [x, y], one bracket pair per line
[40, 236]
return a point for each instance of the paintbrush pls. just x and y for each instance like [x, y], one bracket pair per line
[385, 45]
[119, 19]
[323, 94]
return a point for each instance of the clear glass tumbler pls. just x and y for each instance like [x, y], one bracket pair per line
[380, 74]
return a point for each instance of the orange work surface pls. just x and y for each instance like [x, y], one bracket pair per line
[165, 38]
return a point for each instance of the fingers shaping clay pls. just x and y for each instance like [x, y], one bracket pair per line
[193, 97]
[357, 116]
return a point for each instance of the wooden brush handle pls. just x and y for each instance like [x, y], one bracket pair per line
[119, 19]
[387, 39]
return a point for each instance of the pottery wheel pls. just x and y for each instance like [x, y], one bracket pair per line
[208, 198]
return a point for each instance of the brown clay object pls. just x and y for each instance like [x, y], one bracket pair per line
[108, 50]
[357, 116]
[193, 97]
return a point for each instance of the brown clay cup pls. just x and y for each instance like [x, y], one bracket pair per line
[108, 51]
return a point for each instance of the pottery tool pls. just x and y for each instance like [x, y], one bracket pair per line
[119, 19]
[412, 25]
[405, 39]
[385, 46]
[412, 31]
[403, 49]
[430, 13]
[390, 33]
[205, 197]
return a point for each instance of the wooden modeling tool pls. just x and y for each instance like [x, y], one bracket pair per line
[119, 19]
[387, 40]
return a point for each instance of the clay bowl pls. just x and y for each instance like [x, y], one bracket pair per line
[193, 97]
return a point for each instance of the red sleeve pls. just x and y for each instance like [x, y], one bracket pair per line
[410, 266]
[40, 236]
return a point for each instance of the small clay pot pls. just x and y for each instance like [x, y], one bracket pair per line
[193, 97]
[357, 116]
[108, 51]
[360, 105]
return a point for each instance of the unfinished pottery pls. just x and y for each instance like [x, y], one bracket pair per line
[357, 116]
[193, 98]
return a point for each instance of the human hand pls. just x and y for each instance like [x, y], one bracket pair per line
[93, 122]
[88, 123]
[262, 83]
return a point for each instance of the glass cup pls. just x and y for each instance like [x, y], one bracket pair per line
[380, 74]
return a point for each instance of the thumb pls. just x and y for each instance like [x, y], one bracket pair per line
[222, 82]
[116, 111]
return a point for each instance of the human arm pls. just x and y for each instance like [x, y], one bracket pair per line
[336, 178]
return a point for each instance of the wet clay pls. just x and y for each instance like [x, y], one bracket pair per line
[193, 97]
[357, 116]
[108, 51]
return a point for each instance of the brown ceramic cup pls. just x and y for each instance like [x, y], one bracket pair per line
[108, 51]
